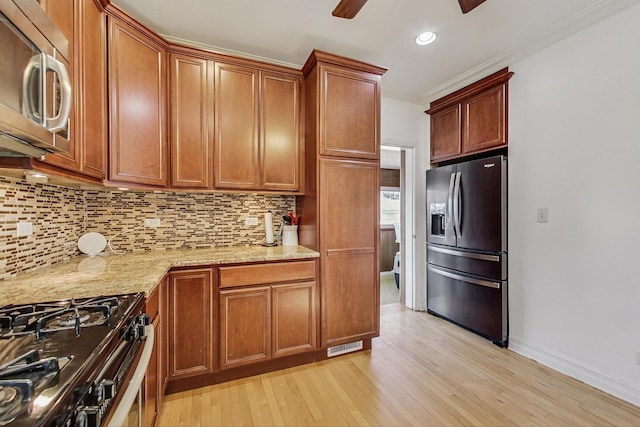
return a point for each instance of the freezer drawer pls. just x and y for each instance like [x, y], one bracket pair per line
[476, 304]
[491, 265]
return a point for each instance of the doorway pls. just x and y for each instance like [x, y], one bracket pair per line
[390, 225]
[399, 227]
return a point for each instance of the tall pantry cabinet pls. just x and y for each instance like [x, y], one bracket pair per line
[340, 208]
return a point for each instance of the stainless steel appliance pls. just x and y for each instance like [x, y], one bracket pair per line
[35, 88]
[467, 246]
[71, 363]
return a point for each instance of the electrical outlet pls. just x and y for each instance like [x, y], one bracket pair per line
[542, 215]
[152, 222]
[251, 220]
[24, 229]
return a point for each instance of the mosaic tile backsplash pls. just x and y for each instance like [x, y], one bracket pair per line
[61, 215]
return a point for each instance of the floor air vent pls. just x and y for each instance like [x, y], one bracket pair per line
[344, 348]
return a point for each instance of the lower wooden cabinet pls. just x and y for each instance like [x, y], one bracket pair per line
[244, 326]
[269, 320]
[191, 342]
[293, 318]
[152, 391]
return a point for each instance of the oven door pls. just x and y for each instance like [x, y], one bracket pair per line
[128, 409]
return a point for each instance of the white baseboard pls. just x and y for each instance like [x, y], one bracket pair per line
[577, 370]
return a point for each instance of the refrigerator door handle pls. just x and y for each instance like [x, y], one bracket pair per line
[482, 257]
[472, 280]
[450, 198]
[457, 207]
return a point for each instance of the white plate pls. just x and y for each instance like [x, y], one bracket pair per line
[92, 243]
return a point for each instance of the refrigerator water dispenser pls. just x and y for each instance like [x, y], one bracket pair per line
[438, 218]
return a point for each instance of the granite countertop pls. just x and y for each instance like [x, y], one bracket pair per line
[85, 276]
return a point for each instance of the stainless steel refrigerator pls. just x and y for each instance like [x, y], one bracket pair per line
[467, 246]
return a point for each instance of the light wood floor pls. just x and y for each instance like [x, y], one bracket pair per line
[422, 371]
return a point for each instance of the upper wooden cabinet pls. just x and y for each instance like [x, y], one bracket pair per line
[257, 129]
[137, 81]
[280, 132]
[471, 120]
[191, 80]
[349, 112]
[84, 24]
[236, 127]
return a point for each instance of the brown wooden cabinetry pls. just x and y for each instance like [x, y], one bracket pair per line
[257, 129]
[471, 120]
[191, 122]
[236, 127]
[245, 325]
[137, 80]
[191, 339]
[341, 202]
[83, 23]
[280, 132]
[349, 211]
[349, 112]
[266, 311]
[151, 387]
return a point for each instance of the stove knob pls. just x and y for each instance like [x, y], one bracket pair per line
[93, 416]
[81, 419]
[109, 389]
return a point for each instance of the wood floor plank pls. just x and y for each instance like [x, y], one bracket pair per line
[421, 371]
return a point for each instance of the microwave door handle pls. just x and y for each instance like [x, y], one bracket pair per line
[60, 121]
[32, 96]
[457, 206]
[450, 199]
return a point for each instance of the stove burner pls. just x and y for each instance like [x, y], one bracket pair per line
[10, 404]
[69, 319]
[50, 317]
[7, 395]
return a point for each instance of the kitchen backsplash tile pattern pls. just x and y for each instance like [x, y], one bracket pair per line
[187, 220]
[57, 218]
[61, 215]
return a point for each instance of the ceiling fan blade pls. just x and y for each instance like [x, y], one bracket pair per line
[469, 5]
[348, 9]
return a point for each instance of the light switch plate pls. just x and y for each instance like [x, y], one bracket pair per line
[152, 222]
[543, 215]
[24, 229]
[251, 220]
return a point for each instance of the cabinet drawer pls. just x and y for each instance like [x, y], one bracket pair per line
[258, 274]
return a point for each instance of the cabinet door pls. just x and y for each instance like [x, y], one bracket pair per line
[92, 84]
[293, 318]
[137, 77]
[191, 122]
[244, 326]
[190, 320]
[151, 396]
[484, 120]
[349, 113]
[165, 329]
[445, 133]
[236, 127]
[349, 226]
[280, 135]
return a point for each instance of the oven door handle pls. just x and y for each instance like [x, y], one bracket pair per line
[120, 413]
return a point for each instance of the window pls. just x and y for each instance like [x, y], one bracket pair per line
[389, 207]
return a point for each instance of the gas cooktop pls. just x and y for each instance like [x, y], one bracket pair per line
[49, 352]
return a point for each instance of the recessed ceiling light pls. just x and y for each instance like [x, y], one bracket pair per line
[426, 38]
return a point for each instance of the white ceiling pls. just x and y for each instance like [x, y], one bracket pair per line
[469, 46]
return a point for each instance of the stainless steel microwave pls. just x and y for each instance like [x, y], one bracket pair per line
[35, 88]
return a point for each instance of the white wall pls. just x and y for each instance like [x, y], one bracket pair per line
[574, 148]
[403, 124]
